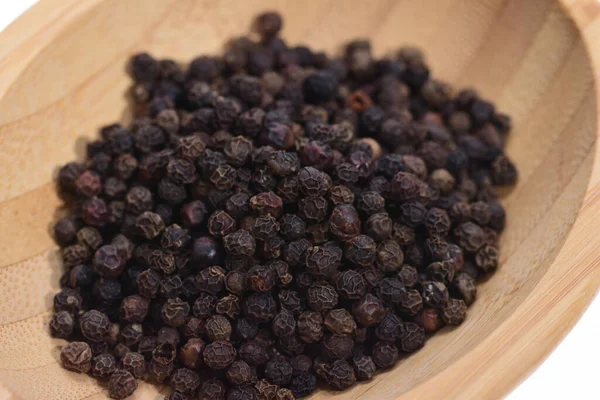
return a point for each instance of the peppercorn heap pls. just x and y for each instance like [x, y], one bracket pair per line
[274, 217]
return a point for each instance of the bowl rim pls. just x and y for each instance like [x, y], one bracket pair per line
[499, 362]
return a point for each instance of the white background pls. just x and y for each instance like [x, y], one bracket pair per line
[571, 371]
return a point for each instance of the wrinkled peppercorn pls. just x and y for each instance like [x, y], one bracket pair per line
[121, 384]
[77, 357]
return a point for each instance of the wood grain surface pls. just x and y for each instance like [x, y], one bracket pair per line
[62, 76]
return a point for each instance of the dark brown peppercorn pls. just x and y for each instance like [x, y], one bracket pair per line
[278, 372]
[368, 311]
[504, 171]
[265, 227]
[285, 394]
[138, 199]
[175, 311]
[283, 324]
[410, 303]
[240, 373]
[266, 390]
[260, 307]
[365, 367]
[412, 338]
[269, 24]
[121, 384]
[389, 256]
[336, 347]
[486, 258]
[190, 354]
[62, 324]
[360, 250]
[89, 237]
[385, 354]
[212, 389]
[341, 194]
[148, 282]
[149, 224]
[185, 381]
[429, 319]
[221, 224]
[470, 236]
[103, 366]
[240, 243]
[77, 357]
[378, 226]
[391, 290]
[313, 209]
[68, 300]
[244, 392]
[246, 328]
[344, 222]
[65, 230]
[310, 326]
[454, 312]
[204, 306]
[219, 355]
[131, 334]
[108, 262]
[340, 322]
[321, 297]
[107, 291]
[322, 262]
[218, 328]
[235, 282]
[434, 294]
[94, 325]
[193, 214]
[291, 301]
[303, 385]
[339, 374]
[301, 364]
[253, 352]
[134, 309]
[442, 271]
[135, 364]
[465, 285]
[351, 285]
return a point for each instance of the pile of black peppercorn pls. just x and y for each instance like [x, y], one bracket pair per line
[273, 218]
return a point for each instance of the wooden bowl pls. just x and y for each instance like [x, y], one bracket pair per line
[62, 76]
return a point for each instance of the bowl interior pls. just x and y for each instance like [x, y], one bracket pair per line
[526, 56]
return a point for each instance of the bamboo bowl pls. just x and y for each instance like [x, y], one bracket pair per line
[62, 76]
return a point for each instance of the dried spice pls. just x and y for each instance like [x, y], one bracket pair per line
[274, 217]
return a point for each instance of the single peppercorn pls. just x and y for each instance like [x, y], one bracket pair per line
[174, 312]
[303, 384]
[185, 381]
[121, 384]
[69, 300]
[103, 366]
[253, 352]
[351, 285]
[62, 325]
[94, 325]
[260, 307]
[135, 364]
[134, 309]
[360, 250]
[77, 357]
[368, 311]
